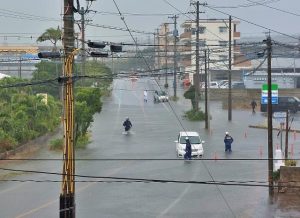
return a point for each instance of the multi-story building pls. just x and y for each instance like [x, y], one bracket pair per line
[165, 51]
[213, 35]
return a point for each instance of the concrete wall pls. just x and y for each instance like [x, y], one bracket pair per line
[289, 178]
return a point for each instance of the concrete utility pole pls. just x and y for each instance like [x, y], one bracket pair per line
[166, 56]
[175, 35]
[287, 129]
[229, 75]
[206, 57]
[83, 56]
[197, 77]
[158, 52]
[270, 124]
[67, 196]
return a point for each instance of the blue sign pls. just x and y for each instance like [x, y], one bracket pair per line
[264, 100]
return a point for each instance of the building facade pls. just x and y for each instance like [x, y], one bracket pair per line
[213, 36]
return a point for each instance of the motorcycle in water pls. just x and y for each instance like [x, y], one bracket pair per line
[127, 124]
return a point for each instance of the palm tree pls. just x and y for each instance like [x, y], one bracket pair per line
[51, 34]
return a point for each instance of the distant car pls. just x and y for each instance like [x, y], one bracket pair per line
[224, 85]
[238, 85]
[196, 142]
[212, 85]
[160, 96]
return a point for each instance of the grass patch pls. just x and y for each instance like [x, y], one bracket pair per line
[193, 115]
[56, 144]
[173, 98]
[82, 141]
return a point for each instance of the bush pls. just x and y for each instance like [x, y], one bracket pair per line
[276, 175]
[57, 144]
[194, 115]
[82, 141]
[290, 163]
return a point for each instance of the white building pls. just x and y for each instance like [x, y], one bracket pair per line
[213, 34]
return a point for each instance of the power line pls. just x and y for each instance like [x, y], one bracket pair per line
[252, 23]
[144, 180]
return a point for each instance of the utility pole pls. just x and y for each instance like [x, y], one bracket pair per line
[175, 35]
[206, 91]
[270, 124]
[286, 150]
[166, 56]
[67, 196]
[197, 77]
[229, 75]
[83, 56]
[158, 52]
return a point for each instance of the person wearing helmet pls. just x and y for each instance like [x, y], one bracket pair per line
[127, 124]
[188, 149]
[228, 141]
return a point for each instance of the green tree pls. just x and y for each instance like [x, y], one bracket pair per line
[87, 103]
[53, 35]
[190, 94]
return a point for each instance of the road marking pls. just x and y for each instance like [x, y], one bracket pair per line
[30, 212]
[175, 201]
[36, 209]
[10, 189]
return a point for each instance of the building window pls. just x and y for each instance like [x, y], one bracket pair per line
[223, 43]
[202, 43]
[193, 31]
[223, 57]
[202, 30]
[222, 29]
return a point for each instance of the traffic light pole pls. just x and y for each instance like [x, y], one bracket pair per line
[67, 196]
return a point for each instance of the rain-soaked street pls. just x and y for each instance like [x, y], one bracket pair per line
[155, 128]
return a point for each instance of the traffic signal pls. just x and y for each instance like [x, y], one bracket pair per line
[96, 44]
[99, 54]
[115, 48]
[49, 54]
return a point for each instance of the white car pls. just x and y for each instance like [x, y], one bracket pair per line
[196, 142]
[160, 96]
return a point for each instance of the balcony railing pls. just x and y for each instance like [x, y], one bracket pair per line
[236, 34]
[186, 35]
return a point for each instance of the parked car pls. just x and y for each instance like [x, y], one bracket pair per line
[160, 96]
[224, 84]
[237, 85]
[212, 85]
[196, 142]
[285, 103]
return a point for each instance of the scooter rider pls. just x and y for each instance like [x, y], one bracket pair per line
[127, 124]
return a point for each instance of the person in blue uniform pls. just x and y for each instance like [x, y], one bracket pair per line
[228, 141]
[188, 149]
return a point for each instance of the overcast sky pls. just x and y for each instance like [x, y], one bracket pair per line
[22, 19]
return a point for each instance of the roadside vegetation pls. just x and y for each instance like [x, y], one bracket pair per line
[25, 115]
[193, 114]
[28, 112]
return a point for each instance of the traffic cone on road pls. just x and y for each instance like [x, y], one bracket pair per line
[216, 156]
[260, 151]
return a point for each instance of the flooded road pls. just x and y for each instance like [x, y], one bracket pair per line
[154, 183]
